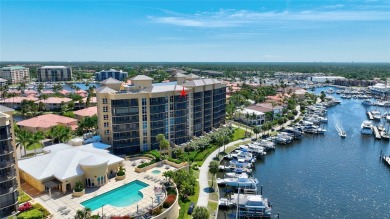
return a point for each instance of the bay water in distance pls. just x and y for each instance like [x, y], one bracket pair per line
[326, 176]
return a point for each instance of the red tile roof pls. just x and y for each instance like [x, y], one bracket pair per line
[47, 121]
[18, 99]
[55, 100]
[90, 111]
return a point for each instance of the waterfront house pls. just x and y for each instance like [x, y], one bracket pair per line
[45, 122]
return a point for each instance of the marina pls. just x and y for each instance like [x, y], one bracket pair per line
[314, 176]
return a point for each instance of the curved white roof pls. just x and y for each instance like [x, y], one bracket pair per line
[93, 160]
[64, 161]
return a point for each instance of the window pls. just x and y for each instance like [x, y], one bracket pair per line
[106, 124]
[106, 132]
[104, 100]
[105, 117]
[105, 109]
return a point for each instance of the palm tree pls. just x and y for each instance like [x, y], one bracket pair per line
[23, 139]
[213, 169]
[36, 140]
[60, 133]
[247, 116]
[40, 88]
[83, 214]
[256, 130]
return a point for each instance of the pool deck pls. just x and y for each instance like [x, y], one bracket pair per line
[58, 199]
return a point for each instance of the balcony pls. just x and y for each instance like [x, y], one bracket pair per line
[6, 164]
[4, 191]
[7, 178]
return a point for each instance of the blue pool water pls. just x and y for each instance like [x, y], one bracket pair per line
[156, 171]
[119, 197]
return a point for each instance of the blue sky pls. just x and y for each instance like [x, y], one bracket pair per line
[198, 31]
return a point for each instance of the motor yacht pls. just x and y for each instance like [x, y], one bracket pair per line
[366, 127]
[251, 206]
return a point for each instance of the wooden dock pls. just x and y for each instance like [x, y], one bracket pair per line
[376, 133]
[386, 160]
[370, 116]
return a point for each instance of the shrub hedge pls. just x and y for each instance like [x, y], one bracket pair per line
[147, 164]
[176, 161]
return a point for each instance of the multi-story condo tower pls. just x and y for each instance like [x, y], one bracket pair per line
[131, 116]
[54, 73]
[15, 74]
[8, 174]
[112, 73]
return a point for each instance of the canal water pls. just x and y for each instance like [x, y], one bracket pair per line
[326, 176]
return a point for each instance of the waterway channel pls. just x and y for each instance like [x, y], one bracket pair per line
[326, 176]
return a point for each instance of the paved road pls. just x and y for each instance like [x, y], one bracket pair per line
[204, 169]
[203, 199]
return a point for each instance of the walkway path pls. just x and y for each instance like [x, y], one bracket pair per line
[204, 193]
[204, 169]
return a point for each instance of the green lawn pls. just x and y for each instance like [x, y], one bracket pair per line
[212, 207]
[194, 198]
[23, 197]
[238, 134]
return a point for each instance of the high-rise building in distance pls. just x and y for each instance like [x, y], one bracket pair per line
[112, 73]
[54, 73]
[15, 74]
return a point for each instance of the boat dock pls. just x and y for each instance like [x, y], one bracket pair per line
[386, 159]
[370, 116]
[376, 133]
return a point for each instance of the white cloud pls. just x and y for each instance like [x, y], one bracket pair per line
[232, 18]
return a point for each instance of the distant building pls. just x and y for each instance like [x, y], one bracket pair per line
[15, 74]
[112, 73]
[3, 82]
[380, 89]
[354, 82]
[250, 116]
[211, 73]
[324, 79]
[54, 73]
[9, 179]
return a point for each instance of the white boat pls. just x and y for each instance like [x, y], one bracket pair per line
[366, 128]
[343, 134]
[376, 114]
[367, 102]
[239, 182]
[252, 206]
[224, 202]
[266, 144]
[385, 135]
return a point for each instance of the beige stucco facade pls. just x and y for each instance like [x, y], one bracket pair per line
[67, 185]
[144, 90]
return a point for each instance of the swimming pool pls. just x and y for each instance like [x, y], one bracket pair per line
[156, 171]
[120, 197]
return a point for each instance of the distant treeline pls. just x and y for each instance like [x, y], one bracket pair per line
[363, 71]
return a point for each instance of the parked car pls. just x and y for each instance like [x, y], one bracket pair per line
[191, 208]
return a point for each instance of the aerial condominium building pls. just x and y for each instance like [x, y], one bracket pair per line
[131, 116]
[15, 74]
[8, 174]
[54, 73]
[112, 73]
